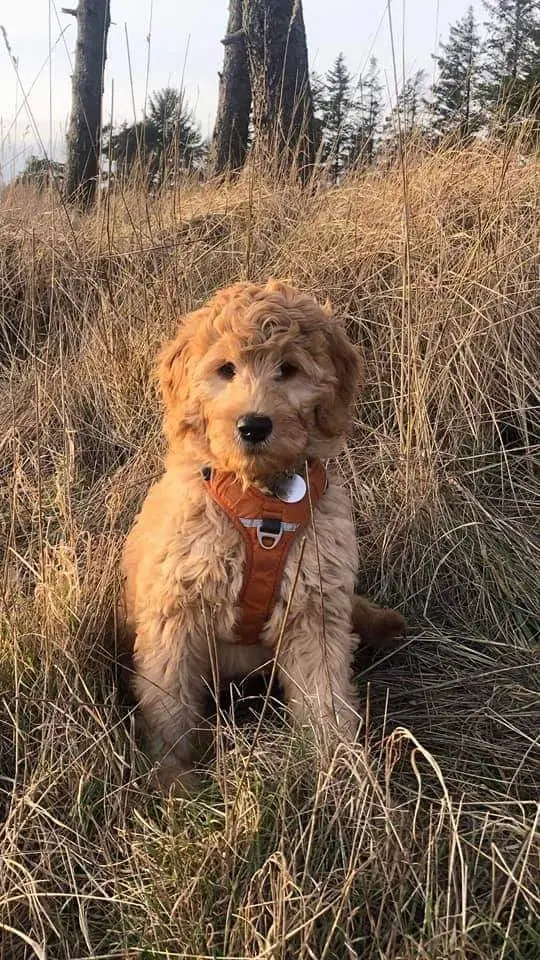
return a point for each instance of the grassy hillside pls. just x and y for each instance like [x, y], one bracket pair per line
[422, 841]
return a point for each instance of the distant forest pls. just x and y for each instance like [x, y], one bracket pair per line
[487, 82]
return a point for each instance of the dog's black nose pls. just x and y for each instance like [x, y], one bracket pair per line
[253, 428]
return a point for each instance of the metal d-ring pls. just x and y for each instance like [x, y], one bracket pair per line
[269, 528]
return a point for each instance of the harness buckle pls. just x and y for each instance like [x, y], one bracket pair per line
[269, 530]
[269, 533]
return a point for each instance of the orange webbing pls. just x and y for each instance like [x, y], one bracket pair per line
[263, 567]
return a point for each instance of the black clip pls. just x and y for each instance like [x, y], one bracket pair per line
[269, 533]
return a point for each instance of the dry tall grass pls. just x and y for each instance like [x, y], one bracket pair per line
[422, 842]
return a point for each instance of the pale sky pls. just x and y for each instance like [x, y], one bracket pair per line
[185, 50]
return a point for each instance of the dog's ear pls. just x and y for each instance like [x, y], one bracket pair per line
[171, 368]
[333, 417]
[175, 383]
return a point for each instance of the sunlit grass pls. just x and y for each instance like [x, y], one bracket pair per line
[421, 841]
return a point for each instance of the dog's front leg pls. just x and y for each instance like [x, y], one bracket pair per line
[315, 672]
[170, 683]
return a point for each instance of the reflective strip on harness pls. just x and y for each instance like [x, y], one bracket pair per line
[285, 527]
[269, 531]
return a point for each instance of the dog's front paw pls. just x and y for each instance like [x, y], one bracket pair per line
[172, 780]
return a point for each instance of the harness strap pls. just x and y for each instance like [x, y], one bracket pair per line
[269, 527]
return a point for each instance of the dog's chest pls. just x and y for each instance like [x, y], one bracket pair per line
[212, 563]
[206, 558]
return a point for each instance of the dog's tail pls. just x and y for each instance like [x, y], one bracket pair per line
[378, 627]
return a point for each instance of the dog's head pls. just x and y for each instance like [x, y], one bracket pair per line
[258, 380]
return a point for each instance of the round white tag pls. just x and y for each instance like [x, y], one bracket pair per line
[293, 489]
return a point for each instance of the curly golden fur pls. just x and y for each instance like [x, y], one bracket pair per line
[271, 350]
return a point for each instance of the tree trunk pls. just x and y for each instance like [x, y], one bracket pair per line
[230, 140]
[84, 134]
[282, 100]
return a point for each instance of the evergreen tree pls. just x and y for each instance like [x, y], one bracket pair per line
[408, 108]
[166, 141]
[512, 58]
[317, 92]
[521, 102]
[126, 147]
[174, 136]
[337, 116]
[367, 110]
[317, 95]
[406, 120]
[41, 173]
[455, 104]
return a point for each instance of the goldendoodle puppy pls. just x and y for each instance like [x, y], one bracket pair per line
[244, 552]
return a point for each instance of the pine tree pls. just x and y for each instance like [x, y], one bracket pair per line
[406, 120]
[317, 96]
[521, 103]
[337, 116]
[126, 147]
[408, 109]
[512, 57]
[166, 141]
[367, 113]
[175, 136]
[455, 104]
[41, 173]
[317, 92]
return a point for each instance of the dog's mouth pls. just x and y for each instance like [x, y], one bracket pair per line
[266, 466]
[255, 449]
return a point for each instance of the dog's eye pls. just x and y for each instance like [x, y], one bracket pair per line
[227, 371]
[287, 370]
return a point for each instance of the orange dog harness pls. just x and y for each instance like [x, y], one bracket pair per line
[269, 527]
